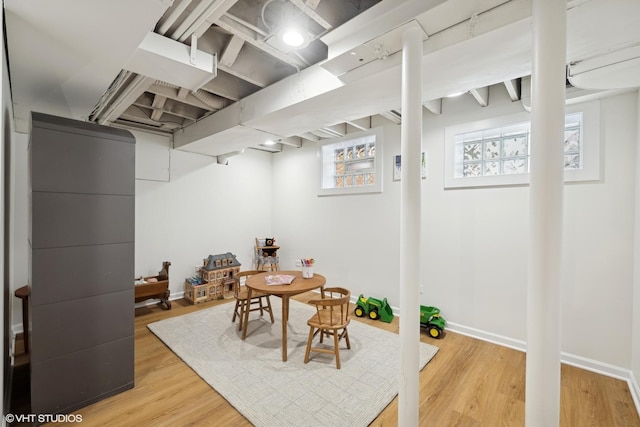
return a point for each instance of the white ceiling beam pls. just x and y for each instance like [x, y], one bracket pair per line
[309, 136]
[131, 93]
[173, 93]
[183, 92]
[136, 113]
[260, 81]
[513, 88]
[203, 16]
[336, 130]
[362, 124]
[311, 13]
[481, 95]
[323, 133]
[292, 141]
[158, 103]
[392, 116]
[231, 51]
[230, 87]
[254, 39]
[434, 106]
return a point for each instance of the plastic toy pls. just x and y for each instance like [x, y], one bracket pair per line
[375, 308]
[430, 318]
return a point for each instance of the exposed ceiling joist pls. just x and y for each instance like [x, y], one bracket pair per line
[311, 13]
[203, 16]
[481, 95]
[230, 53]
[254, 38]
[393, 116]
[119, 103]
[361, 124]
[230, 87]
[293, 141]
[178, 95]
[435, 106]
[158, 104]
[513, 89]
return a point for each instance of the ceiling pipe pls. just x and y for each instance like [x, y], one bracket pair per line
[110, 93]
[130, 94]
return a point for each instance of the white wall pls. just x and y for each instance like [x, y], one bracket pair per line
[354, 238]
[635, 331]
[598, 264]
[204, 208]
[474, 242]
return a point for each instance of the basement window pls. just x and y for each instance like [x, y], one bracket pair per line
[497, 151]
[351, 165]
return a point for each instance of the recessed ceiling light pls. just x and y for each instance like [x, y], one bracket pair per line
[293, 37]
[456, 94]
[269, 142]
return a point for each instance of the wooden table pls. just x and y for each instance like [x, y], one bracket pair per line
[298, 286]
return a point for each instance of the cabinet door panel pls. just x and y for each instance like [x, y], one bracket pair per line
[61, 219]
[74, 325]
[60, 274]
[70, 382]
[82, 165]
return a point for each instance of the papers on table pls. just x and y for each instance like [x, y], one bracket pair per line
[279, 279]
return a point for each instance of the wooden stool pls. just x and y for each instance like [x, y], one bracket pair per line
[23, 293]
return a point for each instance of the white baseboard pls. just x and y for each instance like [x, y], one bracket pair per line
[634, 388]
[487, 336]
[567, 358]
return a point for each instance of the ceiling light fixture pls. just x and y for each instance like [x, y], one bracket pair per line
[269, 142]
[292, 36]
[456, 94]
[287, 26]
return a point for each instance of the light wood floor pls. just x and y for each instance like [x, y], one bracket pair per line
[468, 383]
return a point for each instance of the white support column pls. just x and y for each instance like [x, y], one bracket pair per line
[542, 406]
[411, 147]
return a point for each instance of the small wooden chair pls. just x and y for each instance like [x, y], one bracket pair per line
[331, 318]
[258, 301]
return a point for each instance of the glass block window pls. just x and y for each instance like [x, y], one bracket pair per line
[495, 151]
[505, 150]
[351, 164]
[573, 141]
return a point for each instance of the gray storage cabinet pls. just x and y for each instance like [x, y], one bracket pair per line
[82, 179]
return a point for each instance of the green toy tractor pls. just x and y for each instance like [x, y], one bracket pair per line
[431, 320]
[375, 308]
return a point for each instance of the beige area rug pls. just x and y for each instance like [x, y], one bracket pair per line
[253, 378]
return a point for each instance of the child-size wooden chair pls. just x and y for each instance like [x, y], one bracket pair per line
[259, 302]
[331, 319]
